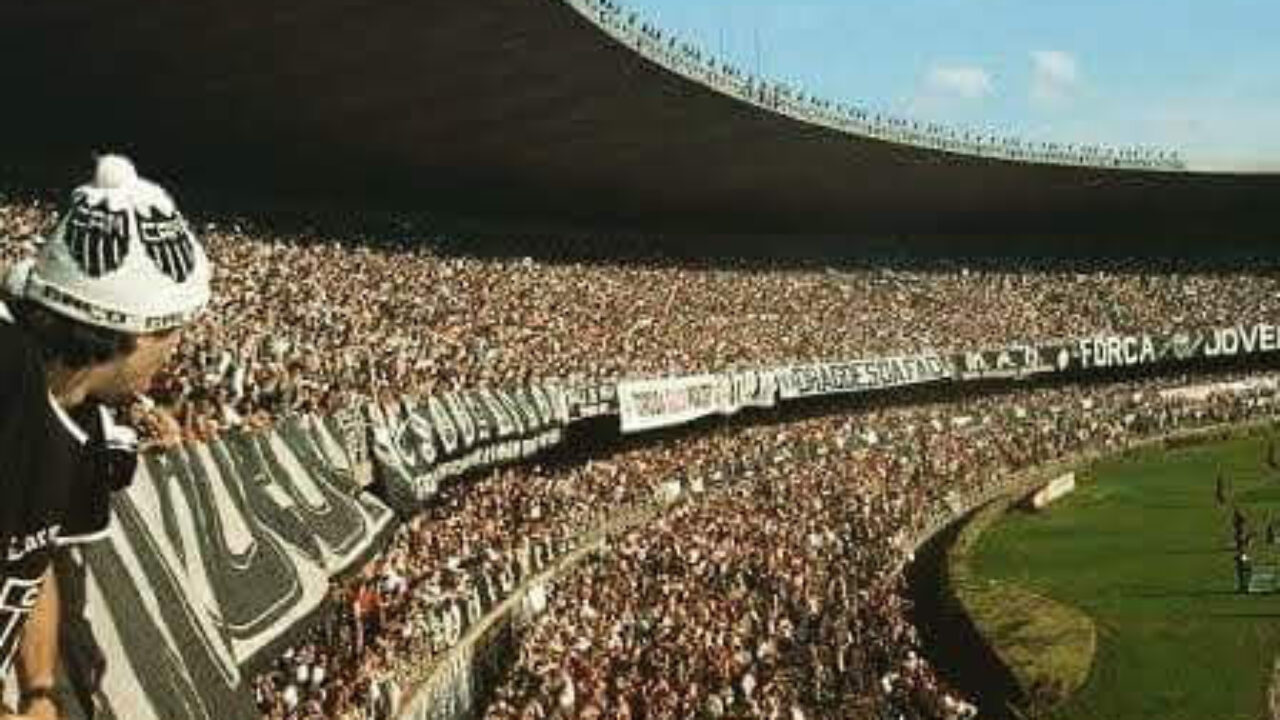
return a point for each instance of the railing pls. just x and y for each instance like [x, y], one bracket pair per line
[690, 61]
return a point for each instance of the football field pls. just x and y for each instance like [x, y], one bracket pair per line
[1145, 550]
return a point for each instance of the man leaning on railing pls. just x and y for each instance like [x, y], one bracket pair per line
[84, 325]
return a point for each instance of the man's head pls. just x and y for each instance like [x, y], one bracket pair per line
[109, 289]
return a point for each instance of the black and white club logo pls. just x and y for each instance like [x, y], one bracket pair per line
[167, 243]
[1185, 346]
[97, 238]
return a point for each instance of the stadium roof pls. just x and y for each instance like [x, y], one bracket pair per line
[518, 106]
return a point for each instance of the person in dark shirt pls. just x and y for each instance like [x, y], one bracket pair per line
[84, 325]
[1244, 571]
[1240, 530]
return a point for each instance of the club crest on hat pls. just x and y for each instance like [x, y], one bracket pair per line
[168, 243]
[96, 237]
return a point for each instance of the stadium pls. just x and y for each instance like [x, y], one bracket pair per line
[555, 367]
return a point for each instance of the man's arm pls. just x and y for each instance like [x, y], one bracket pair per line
[38, 653]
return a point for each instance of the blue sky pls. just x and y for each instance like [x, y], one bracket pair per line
[1200, 77]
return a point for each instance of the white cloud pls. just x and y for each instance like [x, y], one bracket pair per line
[965, 82]
[1215, 131]
[1055, 77]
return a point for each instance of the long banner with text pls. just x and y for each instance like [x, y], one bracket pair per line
[217, 554]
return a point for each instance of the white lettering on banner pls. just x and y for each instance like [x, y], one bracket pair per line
[486, 427]
[863, 375]
[161, 499]
[330, 448]
[648, 404]
[416, 434]
[1117, 351]
[443, 425]
[1010, 362]
[552, 402]
[503, 422]
[1228, 342]
[725, 398]
[461, 418]
[974, 363]
[787, 389]
[424, 484]
[753, 388]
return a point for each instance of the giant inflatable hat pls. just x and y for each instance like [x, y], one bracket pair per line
[121, 257]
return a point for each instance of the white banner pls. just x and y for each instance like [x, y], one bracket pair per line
[861, 375]
[754, 388]
[1056, 489]
[649, 404]
[1015, 361]
[1109, 351]
[1242, 340]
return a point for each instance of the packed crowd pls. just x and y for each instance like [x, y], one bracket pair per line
[742, 617]
[682, 56]
[313, 319]
[781, 596]
[661, 620]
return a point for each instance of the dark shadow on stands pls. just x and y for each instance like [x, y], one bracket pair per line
[446, 233]
[951, 643]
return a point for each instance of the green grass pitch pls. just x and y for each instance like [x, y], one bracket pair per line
[1144, 549]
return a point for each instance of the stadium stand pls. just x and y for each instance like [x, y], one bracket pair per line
[656, 628]
[297, 316]
[382, 430]
[781, 597]
[303, 370]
